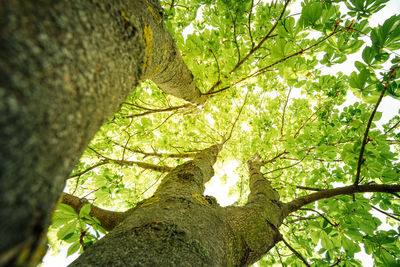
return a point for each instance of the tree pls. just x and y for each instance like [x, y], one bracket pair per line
[292, 145]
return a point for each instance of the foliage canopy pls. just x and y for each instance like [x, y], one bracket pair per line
[271, 78]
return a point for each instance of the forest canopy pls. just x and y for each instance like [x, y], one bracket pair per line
[276, 88]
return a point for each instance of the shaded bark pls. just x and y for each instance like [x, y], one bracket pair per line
[66, 66]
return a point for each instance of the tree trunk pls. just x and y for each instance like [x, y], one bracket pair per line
[178, 226]
[66, 66]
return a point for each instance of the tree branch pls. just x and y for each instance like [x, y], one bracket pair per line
[305, 200]
[309, 188]
[109, 219]
[237, 118]
[274, 158]
[151, 111]
[284, 110]
[393, 127]
[264, 69]
[323, 216]
[234, 30]
[361, 159]
[103, 162]
[295, 252]
[143, 165]
[386, 213]
[267, 36]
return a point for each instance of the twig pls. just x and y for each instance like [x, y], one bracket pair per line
[151, 111]
[308, 188]
[264, 69]
[280, 257]
[216, 60]
[234, 30]
[393, 127]
[295, 252]
[386, 213]
[274, 158]
[284, 110]
[287, 167]
[249, 24]
[140, 164]
[320, 214]
[267, 36]
[237, 118]
[103, 162]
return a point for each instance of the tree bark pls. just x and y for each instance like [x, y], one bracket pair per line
[178, 226]
[66, 66]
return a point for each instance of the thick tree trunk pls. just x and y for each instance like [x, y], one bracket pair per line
[178, 226]
[66, 66]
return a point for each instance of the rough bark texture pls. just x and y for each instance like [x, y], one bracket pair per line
[178, 226]
[66, 66]
[163, 63]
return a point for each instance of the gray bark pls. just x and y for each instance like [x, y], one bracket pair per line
[65, 67]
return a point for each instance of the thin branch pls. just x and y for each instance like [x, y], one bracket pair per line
[103, 162]
[109, 219]
[295, 252]
[274, 158]
[151, 111]
[218, 69]
[302, 219]
[172, 5]
[212, 92]
[249, 24]
[254, 49]
[279, 254]
[234, 30]
[298, 203]
[300, 52]
[393, 127]
[284, 110]
[287, 167]
[127, 142]
[361, 159]
[236, 119]
[143, 165]
[323, 216]
[266, 37]
[386, 213]
[309, 188]
[157, 154]
[309, 118]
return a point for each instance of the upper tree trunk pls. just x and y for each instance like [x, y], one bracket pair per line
[178, 226]
[66, 66]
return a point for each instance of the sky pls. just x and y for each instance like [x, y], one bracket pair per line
[220, 189]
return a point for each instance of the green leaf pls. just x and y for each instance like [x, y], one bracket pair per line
[73, 248]
[377, 116]
[368, 55]
[66, 209]
[358, 81]
[85, 210]
[311, 12]
[66, 230]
